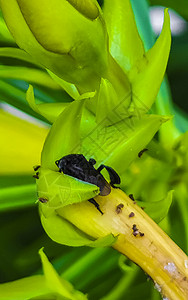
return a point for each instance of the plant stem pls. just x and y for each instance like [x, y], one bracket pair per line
[139, 238]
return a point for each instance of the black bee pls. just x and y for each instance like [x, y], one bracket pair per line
[76, 165]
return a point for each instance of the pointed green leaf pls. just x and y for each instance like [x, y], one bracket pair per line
[107, 101]
[47, 286]
[15, 96]
[50, 111]
[142, 18]
[25, 288]
[64, 135]
[53, 280]
[56, 283]
[147, 74]
[125, 43]
[118, 145]
[70, 88]
[61, 190]
[133, 140]
[157, 210]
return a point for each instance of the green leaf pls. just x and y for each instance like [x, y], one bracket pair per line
[50, 111]
[57, 284]
[28, 74]
[142, 18]
[164, 106]
[121, 142]
[17, 197]
[64, 135]
[68, 87]
[125, 43]
[63, 232]
[60, 189]
[25, 288]
[47, 286]
[16, 97]
[5, 36]
[157, 210]
[107, 101]
[147, 74]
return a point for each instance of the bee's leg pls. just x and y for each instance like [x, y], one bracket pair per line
[114, 177]
[92, 161]
[96, 204]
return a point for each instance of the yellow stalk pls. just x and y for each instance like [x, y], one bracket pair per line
[139, 238]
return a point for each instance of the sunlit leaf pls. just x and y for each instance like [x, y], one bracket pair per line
[68, 87]
[53, 280]
[25, 288]
[64, 135]
[50, 111]
[125, 43]
[147, 74]
[61, 190]
[122, 142]
[107, 101]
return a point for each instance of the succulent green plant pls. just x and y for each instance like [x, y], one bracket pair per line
[97, 56]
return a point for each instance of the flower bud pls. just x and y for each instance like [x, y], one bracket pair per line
[67, 37]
